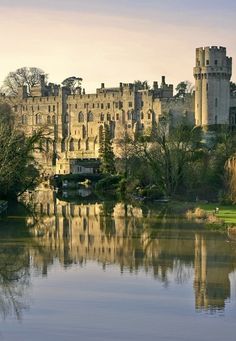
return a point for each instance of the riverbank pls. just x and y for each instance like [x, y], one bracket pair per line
[227, 213]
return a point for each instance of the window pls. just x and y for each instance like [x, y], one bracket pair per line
[108, 117]
[54, 108]
[108, 106]
[53, 119]
[102, 117]
[149, 116]
[129, 115]
[38, 119]
[90, 117]
[72, 145]
[117, 117]
[85, 105]
[102, 106]
[216, 62]
[76, 106]
[81, 117]
[130, 104]
[49, 119]
[141, 115]
[84, 132]
[207, 62]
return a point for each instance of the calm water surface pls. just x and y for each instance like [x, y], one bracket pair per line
[94, 271]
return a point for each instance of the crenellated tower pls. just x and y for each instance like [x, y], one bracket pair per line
[212, 75]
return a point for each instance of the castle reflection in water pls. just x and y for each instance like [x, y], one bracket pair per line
[131, 237]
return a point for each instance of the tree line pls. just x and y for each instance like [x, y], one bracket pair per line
[174, 162]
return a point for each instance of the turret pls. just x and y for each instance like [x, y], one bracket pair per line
[212, 74]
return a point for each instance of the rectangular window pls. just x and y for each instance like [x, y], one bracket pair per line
[108, 105]
[102, 106]
[130, 104]
[207, 62]
[49, 108]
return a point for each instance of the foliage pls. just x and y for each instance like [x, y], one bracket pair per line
[108, 183]
[18, 169]
[141, 85]
[73, 83]
[232, 87]
[29, 76]
[106, 151]
[183, 88]
[167, 154]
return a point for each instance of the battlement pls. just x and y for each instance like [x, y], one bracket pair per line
[212, 48]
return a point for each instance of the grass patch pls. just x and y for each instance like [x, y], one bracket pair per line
[226, 213]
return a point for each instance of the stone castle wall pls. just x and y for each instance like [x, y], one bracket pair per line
[73, 122]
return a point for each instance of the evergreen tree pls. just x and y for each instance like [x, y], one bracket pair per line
[106, 151]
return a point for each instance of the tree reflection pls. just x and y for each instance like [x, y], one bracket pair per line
[14, 280]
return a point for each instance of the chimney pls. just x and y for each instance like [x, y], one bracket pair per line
[163, 80]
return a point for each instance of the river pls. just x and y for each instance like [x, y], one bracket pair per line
[112, 271]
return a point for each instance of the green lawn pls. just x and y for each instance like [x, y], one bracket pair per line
[226, 213]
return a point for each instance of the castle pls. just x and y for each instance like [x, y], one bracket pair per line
[74, 121]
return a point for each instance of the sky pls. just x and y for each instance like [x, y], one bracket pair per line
[107, 41]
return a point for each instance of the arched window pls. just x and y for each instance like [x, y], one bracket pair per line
[72, 147]
[38, 119]
[81, 117]
[49, 119]
[53, 119]
[90, 117]
[87, 144]
[24, 119]
[83, 132]
[129, 115]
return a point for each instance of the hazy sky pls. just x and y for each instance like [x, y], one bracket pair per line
[113, 41]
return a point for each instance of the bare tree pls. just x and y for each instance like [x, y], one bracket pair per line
[28, 76]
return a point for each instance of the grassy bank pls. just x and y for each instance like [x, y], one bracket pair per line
[226, 213]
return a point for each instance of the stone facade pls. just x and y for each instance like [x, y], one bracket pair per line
[73, 122]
